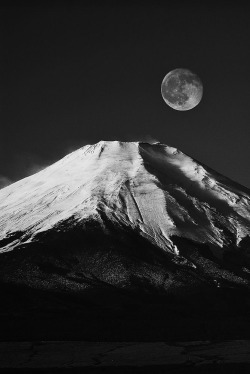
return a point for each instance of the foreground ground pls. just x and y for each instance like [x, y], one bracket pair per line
[157, 357]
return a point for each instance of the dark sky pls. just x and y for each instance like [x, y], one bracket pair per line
[71, 75]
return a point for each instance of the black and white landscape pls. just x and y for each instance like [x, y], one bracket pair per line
[130, 254]
[125, 241]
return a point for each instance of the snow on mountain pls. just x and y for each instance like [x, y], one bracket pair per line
[153, 188]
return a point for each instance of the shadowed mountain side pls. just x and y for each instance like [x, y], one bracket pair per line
[86, 254]
[86, 286]
[107, 313]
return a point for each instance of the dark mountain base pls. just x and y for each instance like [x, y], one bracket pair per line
[85, 285]
[118, 315]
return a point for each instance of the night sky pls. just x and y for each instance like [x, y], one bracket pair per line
[72, 75]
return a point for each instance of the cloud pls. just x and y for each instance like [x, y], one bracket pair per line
[25, 163]
[34, 168]
[32, 164]
[146, 139]
[4, 181]
[74, 145]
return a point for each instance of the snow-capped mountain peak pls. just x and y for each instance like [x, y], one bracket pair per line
[152, 188]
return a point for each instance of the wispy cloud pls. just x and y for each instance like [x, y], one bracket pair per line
[34, 168]
[4, 181]
[25, 164]
[146, 139]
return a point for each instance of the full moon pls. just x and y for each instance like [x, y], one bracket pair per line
[181, 89]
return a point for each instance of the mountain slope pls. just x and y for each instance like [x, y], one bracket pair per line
[119, 217]
[154, 188]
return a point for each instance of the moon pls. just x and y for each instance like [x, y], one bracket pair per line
[181, 89]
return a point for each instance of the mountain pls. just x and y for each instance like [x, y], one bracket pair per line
[118, 226]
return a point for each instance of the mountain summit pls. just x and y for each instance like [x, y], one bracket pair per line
[131, 215]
